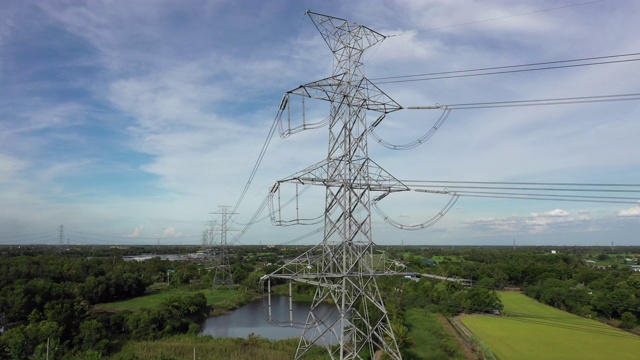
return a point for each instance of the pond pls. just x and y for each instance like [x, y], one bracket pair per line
[252, 318]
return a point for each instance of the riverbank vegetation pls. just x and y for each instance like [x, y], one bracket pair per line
[205, 347]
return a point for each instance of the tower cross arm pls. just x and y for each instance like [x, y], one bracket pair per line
[335, 31]
[367, 95]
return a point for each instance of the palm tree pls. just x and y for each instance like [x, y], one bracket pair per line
[401, 333]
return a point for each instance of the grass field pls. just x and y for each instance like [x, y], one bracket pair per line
[532, 330]
[219, 298]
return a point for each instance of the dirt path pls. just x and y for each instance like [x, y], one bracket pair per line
[456, 319]
[467, 351]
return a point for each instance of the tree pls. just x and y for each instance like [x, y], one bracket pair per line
[401, 333]
[628, 320]
[14, 343]
[146, 324]
[252, 282]
[602, 302]
[554, 292]
[29, 341]
[92, 336]
[481, 299]
[624, 300]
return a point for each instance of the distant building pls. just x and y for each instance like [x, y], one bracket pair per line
[635, 267]
[170, 257]
[139, 257]
[399, 264]
[414, 277]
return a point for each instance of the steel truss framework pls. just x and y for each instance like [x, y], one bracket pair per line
[343, 267]
[223, 275]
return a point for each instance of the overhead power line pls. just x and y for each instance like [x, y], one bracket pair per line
[252, 221]
[263, 151]
[571, 192]
[505, 17]
[129, 237]
[27, 236]
[598, 185]
[548, 65]
[302, 237]
[269, 135]
[543, 102]
[565, 192]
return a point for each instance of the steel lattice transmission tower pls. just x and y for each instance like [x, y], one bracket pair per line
[61, 235]
[343, 267]
[223, 275]
[209, 235]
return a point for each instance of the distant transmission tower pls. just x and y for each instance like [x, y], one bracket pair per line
[343, 267]
[205, 238]
[61, 235]
[223, 275]
[212, 233]
[208, 235]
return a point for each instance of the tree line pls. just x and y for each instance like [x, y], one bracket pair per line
[562, 280]
[46, 300]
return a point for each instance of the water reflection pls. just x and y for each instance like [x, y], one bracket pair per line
[251, 318]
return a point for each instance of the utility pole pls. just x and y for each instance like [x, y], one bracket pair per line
[223, 275]
[343, 267]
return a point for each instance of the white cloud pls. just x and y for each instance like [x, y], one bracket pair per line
[170, 232]
[10, 167]
[552, 213]
[634, 211]
[535, 223]
[136, 232]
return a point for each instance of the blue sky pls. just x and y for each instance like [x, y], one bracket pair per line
[131, 121]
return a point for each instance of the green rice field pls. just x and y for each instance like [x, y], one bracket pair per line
[532, 330]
